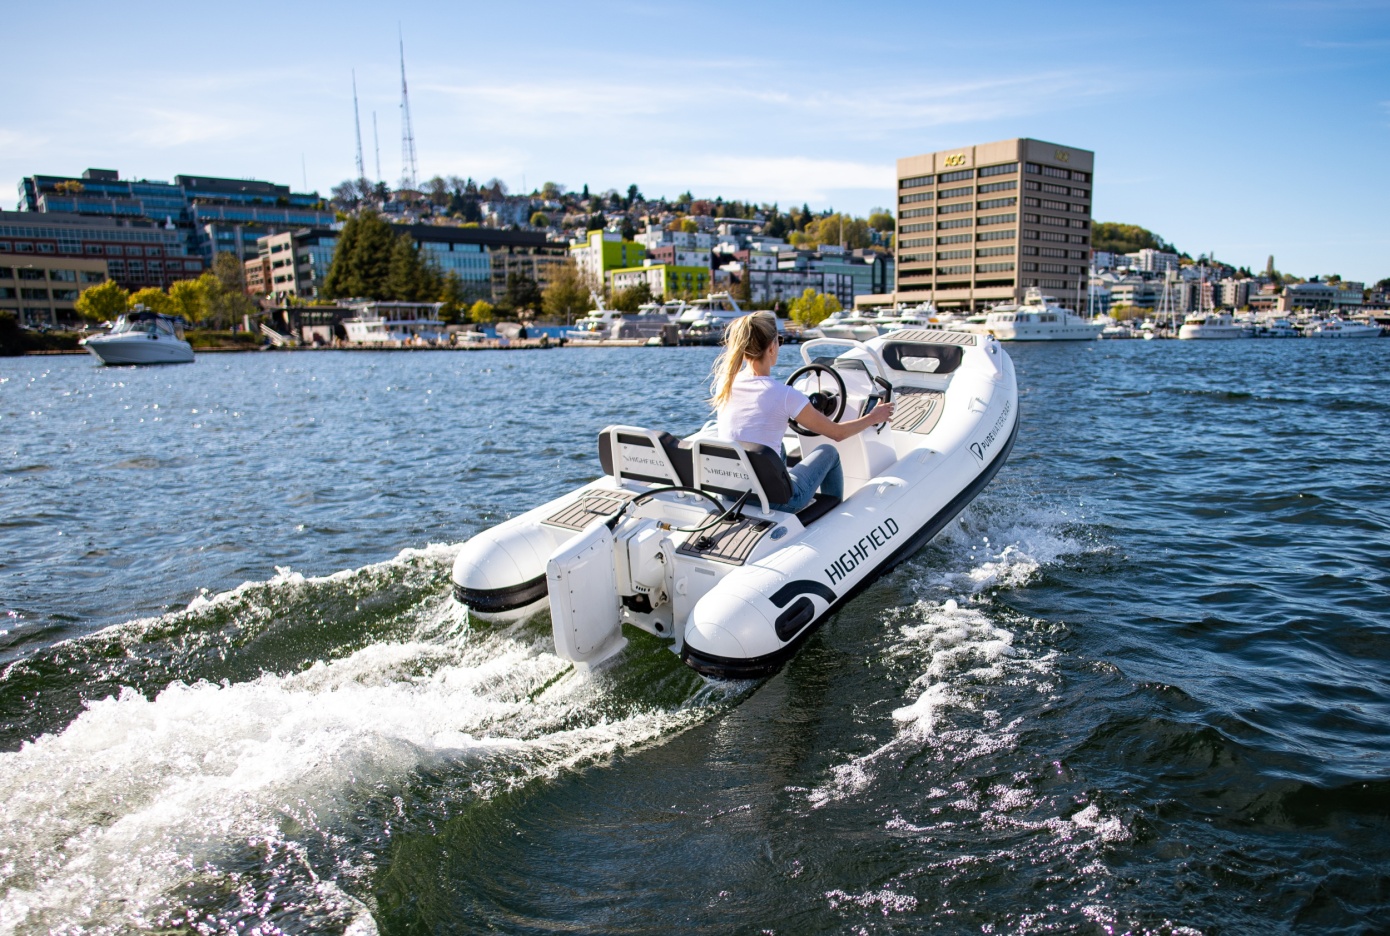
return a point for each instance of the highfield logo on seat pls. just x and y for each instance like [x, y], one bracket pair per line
[868, 544]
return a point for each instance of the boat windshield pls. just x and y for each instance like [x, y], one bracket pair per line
[144, 324]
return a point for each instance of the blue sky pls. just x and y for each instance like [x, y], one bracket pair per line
[1243, 129]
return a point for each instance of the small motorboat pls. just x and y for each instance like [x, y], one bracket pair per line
[678, 537]
[142, 337]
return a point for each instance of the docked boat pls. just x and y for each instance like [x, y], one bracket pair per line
[678, 537]
[1273, 328]
[920, 316]
[1213, 325]
[1036, 318]
[703, 321]
[844, 325]
[395, 324]
[1336, 327]
[142, 337]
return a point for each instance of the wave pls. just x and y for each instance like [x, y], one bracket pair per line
[223, 799]
[962, 656]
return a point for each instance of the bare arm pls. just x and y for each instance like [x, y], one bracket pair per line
[816, 421]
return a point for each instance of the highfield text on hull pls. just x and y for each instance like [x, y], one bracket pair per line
[678, 538]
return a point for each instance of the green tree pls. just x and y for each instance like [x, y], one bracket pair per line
[540, 219]
[362, 261]
[632, 298]
[455, 298]
[811, 308]
[881, 221]
[189, 299]
[835, 229]
[154, 299]
[552, 191]
[225, 289]
[522, 293]
[102, 303]
[688, 225]
[409, 277]
[566, 297]
[14, 341]
[482, 312]
[1126, 238]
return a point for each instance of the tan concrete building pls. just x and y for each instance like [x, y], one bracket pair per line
[43, 290]
[981, 224]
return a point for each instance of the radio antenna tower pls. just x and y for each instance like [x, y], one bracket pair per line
[376, 142]
[408, 167]
[357, 122]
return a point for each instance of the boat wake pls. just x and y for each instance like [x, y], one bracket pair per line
[216, 800]
[968, 664]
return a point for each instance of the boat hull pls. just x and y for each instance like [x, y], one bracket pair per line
[739, 601]
[139, 349]
[708, 663]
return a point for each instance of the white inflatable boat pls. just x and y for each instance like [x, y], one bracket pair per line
[677, 537]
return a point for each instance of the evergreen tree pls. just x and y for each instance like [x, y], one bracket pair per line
[410, 277]
[522, 293]
[362, 262]
[455, 299]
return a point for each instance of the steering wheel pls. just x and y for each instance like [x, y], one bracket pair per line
[830, 403]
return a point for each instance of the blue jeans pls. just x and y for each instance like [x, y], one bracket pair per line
[820, 469]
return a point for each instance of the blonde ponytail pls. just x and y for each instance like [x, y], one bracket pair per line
[747, 338]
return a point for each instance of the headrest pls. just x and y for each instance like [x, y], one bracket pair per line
[645, 456]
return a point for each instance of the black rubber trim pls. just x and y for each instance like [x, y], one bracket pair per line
[718, 667]
[494, 600]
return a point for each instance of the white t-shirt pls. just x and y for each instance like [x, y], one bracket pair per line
[758, 410]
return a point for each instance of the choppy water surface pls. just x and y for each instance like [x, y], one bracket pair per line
[1141, 686]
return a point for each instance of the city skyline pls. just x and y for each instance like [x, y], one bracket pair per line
[1204, 121]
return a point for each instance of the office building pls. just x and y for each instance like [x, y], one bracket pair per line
[214, 215]
[291, 263]
[137, 253]
[40, 290]
[978, 225]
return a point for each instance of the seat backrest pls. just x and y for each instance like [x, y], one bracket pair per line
[723, 468]
[644, 455]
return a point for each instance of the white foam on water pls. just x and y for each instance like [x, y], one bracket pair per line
[885, 900]
[104, 824]
[962, 653]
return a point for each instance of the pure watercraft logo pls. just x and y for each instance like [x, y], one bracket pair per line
[868, 544]
[978, 449]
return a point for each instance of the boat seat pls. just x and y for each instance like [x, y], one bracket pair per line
[713, 465]
[645, 455]
[723, 468]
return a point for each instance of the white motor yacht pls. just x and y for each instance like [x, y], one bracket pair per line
[914, 317]
[395, 324]
[844, 325]
[142, 337]
[1274, 328]
[681, 538]
[1213, 325]
[1336, 327]
[1036, 318]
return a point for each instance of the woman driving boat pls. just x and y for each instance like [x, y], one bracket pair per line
[753, 407]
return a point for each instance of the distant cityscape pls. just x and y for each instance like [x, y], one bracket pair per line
[971, 227]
